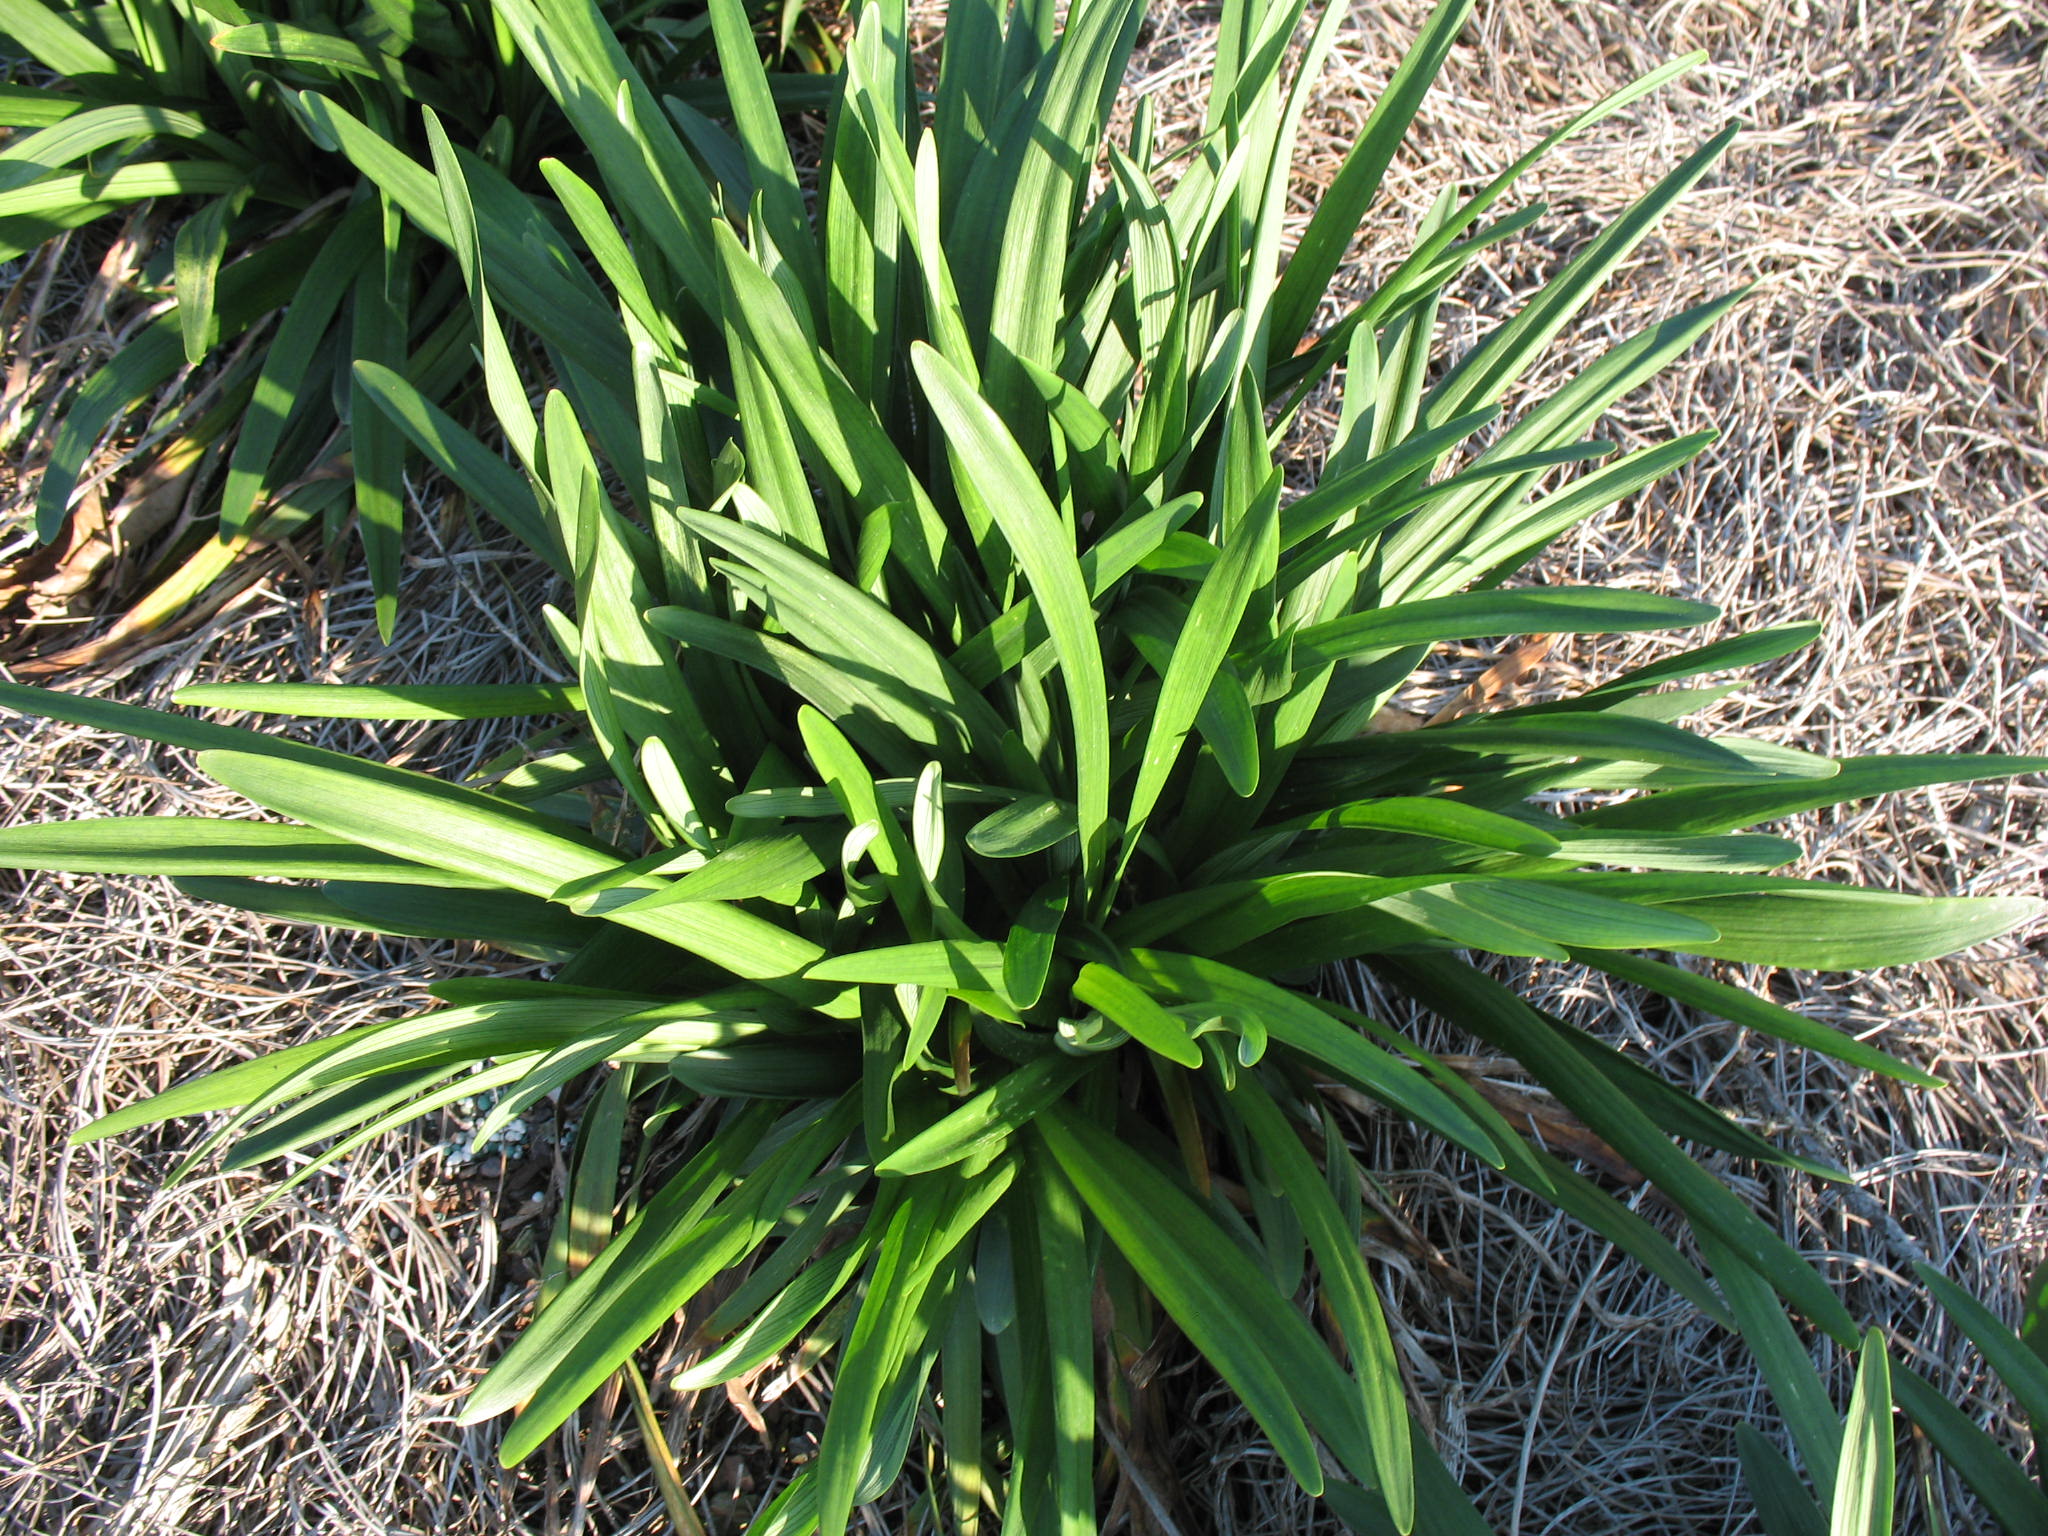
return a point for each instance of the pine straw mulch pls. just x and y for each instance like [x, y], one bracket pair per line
[1882, 467]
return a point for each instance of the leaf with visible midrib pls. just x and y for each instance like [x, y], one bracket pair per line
[1222, 1302]
[473, 834]
[991, 461]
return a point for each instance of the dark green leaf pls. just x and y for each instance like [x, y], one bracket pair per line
[1228, 1309]
[987, 1120]
[1701, 811]
[369, 701]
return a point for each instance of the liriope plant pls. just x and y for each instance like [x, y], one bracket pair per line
[970, 763]
[282, 262]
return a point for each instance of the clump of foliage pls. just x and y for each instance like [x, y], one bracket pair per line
[195, 103]
[971, 763]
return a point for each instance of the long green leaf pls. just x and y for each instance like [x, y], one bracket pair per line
[376, 701]
[990, 460]
[883, 1351]
[201, 244]
[475, 835]
[678, 1243]
[457, 453]
[1751, 1012]
[1843, 928]
[520, 924]
[1482, 374]
[193, 845]
[1348, 1289]
[381, 327]
[1250, 553]
[1342, 207]
[1228, 1309]
[347, 253]
[1863, 1482]
[128, 184]
[55, 40]
[1782, 1502]
[936, 963]
[283, 43]
[1478, 1003]
[2023, 1372]
[1704, 811]
[1534, 610]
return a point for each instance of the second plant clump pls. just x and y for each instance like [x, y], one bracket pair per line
[283, 264]
[971, 763]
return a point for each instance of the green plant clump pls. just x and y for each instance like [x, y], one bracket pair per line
[976, 767]
[193, 102]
